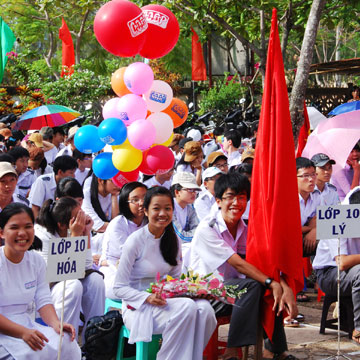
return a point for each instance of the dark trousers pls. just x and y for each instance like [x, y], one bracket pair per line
[245, 317]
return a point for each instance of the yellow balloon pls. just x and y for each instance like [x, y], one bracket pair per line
[126, 142]
[168, 141]
[127, 158]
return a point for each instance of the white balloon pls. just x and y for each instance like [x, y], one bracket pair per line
[159, 96]
[163, 124]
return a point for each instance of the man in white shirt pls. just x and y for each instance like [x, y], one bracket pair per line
[70, 146]
[45, 185]
[231, 144]
[219, 247]
[328, 192]
[326, 261]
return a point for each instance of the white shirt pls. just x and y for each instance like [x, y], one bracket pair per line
[329, 195]
[186, 168]
[50, 155]
[203, 204]
[213, 245]
[43, 189]
[141, 260]
[153, 182]
[48, 170]
[25, 180]
[234, 159]
[117, 232]
[81, 175]
[65, 151]
[308, 210]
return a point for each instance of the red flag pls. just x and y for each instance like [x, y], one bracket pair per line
[274, 241]
[68, 56]
[198, 64]
[304, 133]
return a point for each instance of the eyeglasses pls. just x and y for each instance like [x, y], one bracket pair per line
[231, 198]
[190, 190]
[307, 176]
[136, 201]
[221, 166]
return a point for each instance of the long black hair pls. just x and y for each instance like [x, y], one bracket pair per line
[14, 209]
[124, 198]
[54, 212]
[68, 186]
[169, 245]
[94, 197]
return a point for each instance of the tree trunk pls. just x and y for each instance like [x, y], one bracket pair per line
[338, 54]
[299, 88]
[286, 29]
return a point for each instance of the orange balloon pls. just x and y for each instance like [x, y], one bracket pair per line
[117, 83]
[178, 111]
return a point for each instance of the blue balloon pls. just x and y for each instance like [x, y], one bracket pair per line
[103, 166]
[112, 131]
[87, 140]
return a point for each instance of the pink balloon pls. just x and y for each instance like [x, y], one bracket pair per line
[138, 78]
[122, 178]
[163, 124]
[131, 108]
[109, 109]
[159, 96]
[160, 159]
[141, 134]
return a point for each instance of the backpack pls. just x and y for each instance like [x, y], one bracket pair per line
[102, 335]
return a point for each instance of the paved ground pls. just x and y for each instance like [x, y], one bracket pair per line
[305, 342]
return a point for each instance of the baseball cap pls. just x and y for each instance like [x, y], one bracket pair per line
[192, 150]
[321, 159]
[6, 168]
[210, 172]
[249, 153]
[195, 134]
[186, 180]
[37, 139]
[176, 140]
[72, 132]
[214, 156]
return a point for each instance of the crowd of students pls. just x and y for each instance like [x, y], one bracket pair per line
[192, 217]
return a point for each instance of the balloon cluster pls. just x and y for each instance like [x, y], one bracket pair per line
[138, 125]
[123, 29]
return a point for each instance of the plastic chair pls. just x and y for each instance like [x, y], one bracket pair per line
[111, 303]
[144, 350]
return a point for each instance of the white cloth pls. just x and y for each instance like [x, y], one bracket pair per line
[48, 170]
[329, 195]
[87, 294]
[185, 325]
[81, 175]
[153, 182]
[186, 168]
[115, 236]
[213, 245]
[65, 151]
[20, 285]
[24, 183]
[43, 189]
[234, 159]
[50, 155]
[326, 252]
[308, 209]
[203, 204]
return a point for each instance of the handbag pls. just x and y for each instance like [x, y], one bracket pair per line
[102, 335]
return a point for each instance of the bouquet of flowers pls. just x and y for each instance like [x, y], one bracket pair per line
[195, 286]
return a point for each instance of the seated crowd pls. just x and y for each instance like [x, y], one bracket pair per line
[192, 217]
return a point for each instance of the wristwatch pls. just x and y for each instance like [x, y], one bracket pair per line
[268, 282]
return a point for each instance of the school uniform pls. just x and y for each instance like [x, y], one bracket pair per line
[25, 181]
[65, 151]
[20, 285]
[234, 159]
[51, 154]
[329, 195]
[114, 238]
[186, 325]
[203, 204]
[43, 189]
[80, 176]
[308, 209]
[48, 170]
[212, 246]
[153, 182]
[87, 294]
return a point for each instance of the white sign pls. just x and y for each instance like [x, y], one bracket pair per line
[338, 221]
[66, 258]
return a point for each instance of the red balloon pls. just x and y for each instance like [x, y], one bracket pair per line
[162, 33]
[122, 178]
[143, 166]
[160, 159]
[120, 27]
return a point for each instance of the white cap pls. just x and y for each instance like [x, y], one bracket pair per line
[195, 134]
[186, 180]
[7, 168]
[210, 172]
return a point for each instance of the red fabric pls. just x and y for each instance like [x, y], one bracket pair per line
[304, 133]
[197, 62]
[274, 241]
[68, 55]
[307, 266]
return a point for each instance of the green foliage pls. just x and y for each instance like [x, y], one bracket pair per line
[222, 97]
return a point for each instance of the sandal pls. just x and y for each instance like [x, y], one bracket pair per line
[301, 297]
[288, 357]
[291, 323]
[356, 336]
[300, 318]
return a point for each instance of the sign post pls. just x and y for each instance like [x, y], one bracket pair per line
[336, 222]
[66, 261]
